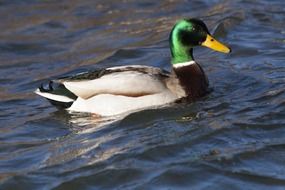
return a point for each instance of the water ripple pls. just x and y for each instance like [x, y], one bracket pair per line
[231, 139]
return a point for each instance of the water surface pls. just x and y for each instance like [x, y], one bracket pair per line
[231, 139]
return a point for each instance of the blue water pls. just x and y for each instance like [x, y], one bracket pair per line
[231, 139]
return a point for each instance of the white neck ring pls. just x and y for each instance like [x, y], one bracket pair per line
[178, 65]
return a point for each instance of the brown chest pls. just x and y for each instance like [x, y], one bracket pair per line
[193, 79]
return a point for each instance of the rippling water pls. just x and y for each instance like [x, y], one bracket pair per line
[231, 139]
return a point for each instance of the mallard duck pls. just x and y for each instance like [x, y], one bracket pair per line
[124, 89]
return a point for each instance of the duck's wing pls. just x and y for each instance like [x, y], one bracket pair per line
[132, 81]
[126, 81]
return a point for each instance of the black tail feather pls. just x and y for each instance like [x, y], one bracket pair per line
[60, 105]
[58, 89]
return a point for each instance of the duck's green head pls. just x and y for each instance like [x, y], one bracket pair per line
[188, 33]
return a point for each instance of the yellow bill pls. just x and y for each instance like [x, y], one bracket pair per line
[212, 43]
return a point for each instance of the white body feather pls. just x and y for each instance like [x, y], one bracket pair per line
[109, 104]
